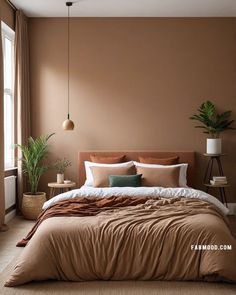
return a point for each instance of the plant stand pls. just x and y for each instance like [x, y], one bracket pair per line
[215, 158]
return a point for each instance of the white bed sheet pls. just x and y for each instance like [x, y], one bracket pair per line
[186, 192]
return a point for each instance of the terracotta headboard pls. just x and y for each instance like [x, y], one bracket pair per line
[184, 157]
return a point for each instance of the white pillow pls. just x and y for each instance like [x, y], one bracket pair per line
[182, 173]
[88, 171]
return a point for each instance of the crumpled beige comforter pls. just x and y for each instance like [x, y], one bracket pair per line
[154, 240]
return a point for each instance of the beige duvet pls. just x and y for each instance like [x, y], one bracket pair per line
[149, 241]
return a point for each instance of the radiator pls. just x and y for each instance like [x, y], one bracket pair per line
[10, 191]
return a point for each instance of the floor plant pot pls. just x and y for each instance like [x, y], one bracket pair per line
[213, 145]
[60, 178]
[32, 205]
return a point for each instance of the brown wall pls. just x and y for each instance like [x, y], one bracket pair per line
[7, 14]
[134, 84]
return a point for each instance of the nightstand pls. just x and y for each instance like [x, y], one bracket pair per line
[215, 158]
[61, 187]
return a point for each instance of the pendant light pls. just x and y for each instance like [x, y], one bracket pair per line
[68, 124]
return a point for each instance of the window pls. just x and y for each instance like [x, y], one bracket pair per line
[8, 62]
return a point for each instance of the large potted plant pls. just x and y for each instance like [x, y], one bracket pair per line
[33, 156]
[213, 124]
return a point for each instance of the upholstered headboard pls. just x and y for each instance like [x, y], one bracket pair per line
[184, 157]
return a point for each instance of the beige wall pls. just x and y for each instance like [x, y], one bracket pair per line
[134, 84]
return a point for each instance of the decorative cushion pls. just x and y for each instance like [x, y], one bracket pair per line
[182, 174]
[162, 161]
[89, 175]
[164, 177]
[125, 180]
[101, 174]
[107, 160]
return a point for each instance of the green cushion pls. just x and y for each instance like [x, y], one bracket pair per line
[125, 180]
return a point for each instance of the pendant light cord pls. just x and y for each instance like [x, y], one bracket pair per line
[68, 60]
[68, 124]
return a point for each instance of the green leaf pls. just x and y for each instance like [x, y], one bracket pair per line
[213, 122]
[33, 156]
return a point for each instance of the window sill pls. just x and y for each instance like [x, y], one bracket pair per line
[10, 171]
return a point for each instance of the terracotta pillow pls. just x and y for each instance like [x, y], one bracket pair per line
[107, 160]
[162, 161]
[164, 177]
[101, 174]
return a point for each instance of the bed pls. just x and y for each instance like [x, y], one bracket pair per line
[129, 233]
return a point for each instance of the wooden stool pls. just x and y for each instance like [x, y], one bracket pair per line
[62, 187]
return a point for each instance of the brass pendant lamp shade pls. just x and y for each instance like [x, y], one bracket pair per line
[68, 124]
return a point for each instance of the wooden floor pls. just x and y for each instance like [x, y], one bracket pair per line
[232, 223]
[18, 228]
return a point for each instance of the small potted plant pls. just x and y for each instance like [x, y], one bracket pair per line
[33, 156]
[60, 166]
[213, 124]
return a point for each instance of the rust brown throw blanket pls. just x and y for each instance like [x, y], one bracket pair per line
[127, 238]
[82, 207]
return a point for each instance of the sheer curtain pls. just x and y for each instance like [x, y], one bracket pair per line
[2, 197]
[22, 91]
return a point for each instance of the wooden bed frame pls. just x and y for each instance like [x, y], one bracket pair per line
[184, 157]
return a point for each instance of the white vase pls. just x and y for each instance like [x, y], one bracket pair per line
[214, 146]
[60, 178]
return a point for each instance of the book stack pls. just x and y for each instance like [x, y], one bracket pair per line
[218, 180]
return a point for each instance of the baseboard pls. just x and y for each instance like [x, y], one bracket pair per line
[10, 216]
[232, 208]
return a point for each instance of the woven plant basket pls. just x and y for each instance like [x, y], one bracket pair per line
[32, 205]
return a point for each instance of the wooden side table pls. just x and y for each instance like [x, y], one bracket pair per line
[62, 187]
[215, 158]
